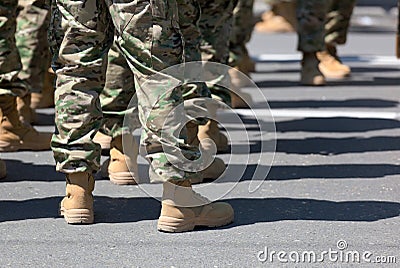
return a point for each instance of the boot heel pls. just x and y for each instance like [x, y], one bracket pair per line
[78, 216]
[174, 225]
[122, 178]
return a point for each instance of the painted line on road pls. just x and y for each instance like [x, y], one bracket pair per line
[312, 113]
[374, 60]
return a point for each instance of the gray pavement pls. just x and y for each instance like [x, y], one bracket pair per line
[335, 177]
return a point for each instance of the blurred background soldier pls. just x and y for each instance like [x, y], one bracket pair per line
[321, 26]
[13, 134]
[31, 40]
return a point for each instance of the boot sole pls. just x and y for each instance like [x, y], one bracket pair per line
[122, 178]
[176, 225]
[77, 216]
[336, 76]
[13, 147]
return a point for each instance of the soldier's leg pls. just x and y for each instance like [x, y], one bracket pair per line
[32, 25]
[189, 16]
[280, 18]
[338, 22]
[336, 28]
[148, 52]
[31, 37]
[242, 29]
[80, 36]
[215, 25]
[14, 135]
[311, 16]
[119, 90]
[10, 63]
[80, 64]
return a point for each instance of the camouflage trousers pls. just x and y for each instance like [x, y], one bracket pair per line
[311, 16]
[338, 21]
[147, 34]
[242, 28]
[10, 62]
[31, 39]
[120, 87]
[215, 26]
[322, 22]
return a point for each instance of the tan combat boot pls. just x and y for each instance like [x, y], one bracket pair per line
[3, 170]
[45, 99]
[27, 115]
[102, 139]
[77, 205]
[122, 168]
[183, 209]
[330, 64]
[14, 135]
[310, 74]
[280, 19]
[216, 168]
[211, 131]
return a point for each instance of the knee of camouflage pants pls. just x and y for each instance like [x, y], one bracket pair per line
[149, 39]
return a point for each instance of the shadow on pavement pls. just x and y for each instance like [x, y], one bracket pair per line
[251, 211]
[319, 125]
[21, 171]
[331, 171]
[371, 81]
[107, 209]
[336, 125]
[323, 146]
[44, 119]
[351, 103]
[336, 146]
[248, 211]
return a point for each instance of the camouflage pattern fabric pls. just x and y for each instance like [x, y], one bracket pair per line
[10, 62]
[115, 97]
[323, 22]
[243, 24]
[120, 86]
[311, 16]
[31, 37]
[189, 16]
[338, 21]
[148, 37]
[215, 26]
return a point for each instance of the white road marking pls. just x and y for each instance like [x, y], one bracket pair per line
[313, 113]
[373, 60]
